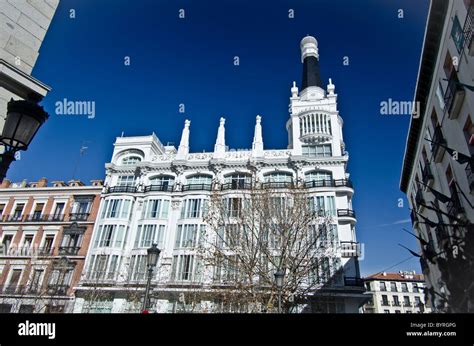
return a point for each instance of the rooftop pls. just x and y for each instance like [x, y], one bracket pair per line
[400, 276]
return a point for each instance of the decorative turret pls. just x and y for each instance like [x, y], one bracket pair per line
[219, 147]
[310, 60]
[257, 145]
[183, 148]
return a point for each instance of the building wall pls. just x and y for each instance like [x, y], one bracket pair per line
[52, 293]
[453, 130]
[23, 26]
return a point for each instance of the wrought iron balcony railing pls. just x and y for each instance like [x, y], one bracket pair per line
[346, 213]
[197, 187]
[121, 189]
[57, 290]
[278, 185]
[69, 250]
[426, 175]
[79, 216]
[454, 96]
[437, 145]
[159, 187]
[241, 185]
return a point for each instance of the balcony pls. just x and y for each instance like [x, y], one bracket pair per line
[350, 249]
[419, 199]
[319, 183]
[426, 175]
[197, 187]
[241, 185]
[78, 216]
[385, 303]
[43, 218]
[14, 218]
[29, 251]
[159, 187]
[57, 290]
[121, 189]
[407, 304]
[346, 214]
[69, 250]
[396, 303]
[413, 217]
[454, 206]
[454, 96]
[437, 145]
[278, 185]
[470, 176]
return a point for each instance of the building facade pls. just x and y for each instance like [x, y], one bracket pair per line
[45, 233]
[158, 194]
[438, 167]
[23, 27]
[395, 293]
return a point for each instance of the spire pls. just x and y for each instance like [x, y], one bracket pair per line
[294, 90]
[257, 145]
[331, 87]
[219, 147]
[310, 60]
[183, 148]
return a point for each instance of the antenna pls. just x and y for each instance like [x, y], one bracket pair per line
[82, 151]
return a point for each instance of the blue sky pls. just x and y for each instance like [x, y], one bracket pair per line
[190, 61]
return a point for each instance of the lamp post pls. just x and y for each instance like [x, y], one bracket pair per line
[151, 260]
[24, 118]
[279, 277]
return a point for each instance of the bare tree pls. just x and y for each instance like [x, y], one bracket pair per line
[255, 233]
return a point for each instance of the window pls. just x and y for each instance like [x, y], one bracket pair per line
[58, 210]
[36, 279]
[404, 287]
[383, 286]
[186, 236]
[233, 206]
[155, 209]
[116, 208]
[317, 150]
[393, 286]
[199, 179]
[457, 34]
[138, 267]
[440, 95]
[26, 309]
[323, 205]
[6, 242]
[397, 311]
[81, 205]
[103, 267]
[162, 180]
[386, 311]
[148, 235]
[110, 236]
[280, 177]
[48, 244]
[238, 180]
[448, 65]
[2, 208]
[384, 299]
[14, 279]
[319, 176]
[126, 180]
[131, 160]
[28, 241]
[396, 301]
[38, 211]
[182, 268]
[194, 208]
[367, 286]
[406, 301]
[417, 301]
[18, 211]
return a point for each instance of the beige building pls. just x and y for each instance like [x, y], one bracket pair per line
[395, 293]
[438, 166]
[45, 231]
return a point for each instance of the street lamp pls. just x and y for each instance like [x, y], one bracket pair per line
[279, 277]
[151, 260]
[24, 118]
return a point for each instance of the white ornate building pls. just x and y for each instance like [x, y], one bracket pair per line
[157, 193]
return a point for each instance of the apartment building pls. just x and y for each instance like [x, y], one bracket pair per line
[45, 232]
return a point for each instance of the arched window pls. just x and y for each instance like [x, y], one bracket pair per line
[318, 179]
[160, 183]
[199, 179]
[238, 181]
[278, 179]
[131, 160]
